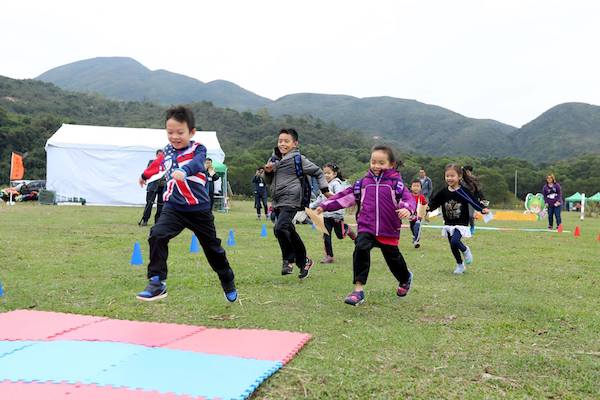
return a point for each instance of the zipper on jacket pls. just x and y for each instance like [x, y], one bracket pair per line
[377, 205]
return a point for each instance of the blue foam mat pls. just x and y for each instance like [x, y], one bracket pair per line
[134, 366]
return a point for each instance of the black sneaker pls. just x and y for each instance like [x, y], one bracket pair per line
[286, 268]
[155, 290]
[304, 272]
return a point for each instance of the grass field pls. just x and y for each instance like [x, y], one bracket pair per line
[524, 322]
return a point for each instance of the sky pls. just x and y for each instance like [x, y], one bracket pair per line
[508, 60]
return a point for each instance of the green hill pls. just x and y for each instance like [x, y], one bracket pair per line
[412, 125]
[123, 78]
[566, 130]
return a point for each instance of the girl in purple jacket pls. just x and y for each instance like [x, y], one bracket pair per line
[382, 201]
[553, 199]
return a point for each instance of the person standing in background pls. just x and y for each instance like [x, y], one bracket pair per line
[154, 190]
[211, 177]
[426, 184]
[260, 192]
[553, 199]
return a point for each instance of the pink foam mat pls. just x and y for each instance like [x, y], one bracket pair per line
[247, 343]
[60, 391]
[152, 334]
[40, 325]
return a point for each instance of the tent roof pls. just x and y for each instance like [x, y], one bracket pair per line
[574, 197]
[595, 197]
[126, 139]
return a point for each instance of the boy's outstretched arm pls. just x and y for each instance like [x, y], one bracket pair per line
[197, 163]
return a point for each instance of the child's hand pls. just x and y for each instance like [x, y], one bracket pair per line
[141, 181]
[328, 194]
[178, 175]
[318, 210]
[485, 210]
[403, 213]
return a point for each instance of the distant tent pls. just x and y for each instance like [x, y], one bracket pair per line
[574, 197]
[595, 197]
[103, 164]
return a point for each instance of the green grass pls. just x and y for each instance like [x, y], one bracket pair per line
[522, 323]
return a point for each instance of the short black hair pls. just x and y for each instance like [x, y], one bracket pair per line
[181, 114]
[468, 168]
[389, 152]
[208, 159]
[290, 131]
[158, 151]
[416, 181]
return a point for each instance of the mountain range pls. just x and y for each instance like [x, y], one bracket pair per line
[563, 131]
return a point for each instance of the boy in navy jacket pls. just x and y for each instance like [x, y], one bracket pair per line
[187, 205]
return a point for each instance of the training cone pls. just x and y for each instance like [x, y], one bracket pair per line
[263, 231]
[314, 226]
[194, 245]
[231, 238]
[136, 256]
[560, 229]
[577, 232]
[598, 238]
[1, 290]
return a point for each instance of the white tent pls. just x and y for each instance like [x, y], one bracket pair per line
[103, 164]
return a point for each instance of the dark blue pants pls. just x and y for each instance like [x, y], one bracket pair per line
[554, 211]
[456, 245]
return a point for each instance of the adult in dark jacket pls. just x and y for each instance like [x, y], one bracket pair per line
[211, 177]
[260, 192]
[154, 190]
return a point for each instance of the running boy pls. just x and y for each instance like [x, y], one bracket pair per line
[187, 205]
[285, 173]
[415, 219]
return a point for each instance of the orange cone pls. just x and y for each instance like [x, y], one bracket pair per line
[560, 229]
[577, 232]
[598, 238]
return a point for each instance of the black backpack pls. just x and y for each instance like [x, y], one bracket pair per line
[304, 181]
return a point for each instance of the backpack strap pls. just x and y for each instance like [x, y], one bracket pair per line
[357, 188]
[298, 165]
[399, 189]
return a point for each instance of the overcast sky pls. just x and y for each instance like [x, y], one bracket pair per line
[506, 60]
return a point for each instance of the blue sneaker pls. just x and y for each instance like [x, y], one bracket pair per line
[231, 296]
[355, 298]
[155, 290]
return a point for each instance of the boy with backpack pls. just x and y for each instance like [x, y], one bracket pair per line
[288, 172]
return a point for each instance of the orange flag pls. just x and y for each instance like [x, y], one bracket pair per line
[17, 169]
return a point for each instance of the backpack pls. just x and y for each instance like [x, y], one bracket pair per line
[398, 186]
[304, 181]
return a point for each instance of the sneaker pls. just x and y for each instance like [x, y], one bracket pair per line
[231, 296]
[286, 268]
[304, 272]
[351, 234]
[327, 260]
[155, 290]
[468, 256]
[143, 223]
[355, 298]
[403, 288]
[416, 244]
[460, 269]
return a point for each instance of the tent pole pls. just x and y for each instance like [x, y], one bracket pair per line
[582, 206]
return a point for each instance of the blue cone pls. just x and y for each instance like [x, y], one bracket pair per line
[230, 238]
[314, 226]
[1, 290]
[263, 231]
[194, 245]
[136, 256]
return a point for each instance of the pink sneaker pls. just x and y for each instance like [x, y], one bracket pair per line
[327, 260]
[355, 298]
[405, 287]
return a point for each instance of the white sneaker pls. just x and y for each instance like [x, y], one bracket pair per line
[460, 269]
[468, 256]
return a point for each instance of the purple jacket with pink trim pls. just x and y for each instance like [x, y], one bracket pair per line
[378, 202]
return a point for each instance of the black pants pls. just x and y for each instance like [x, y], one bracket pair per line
[150, 196]
[362, 258]
[340, 229]
[171, 223]
[456, 245]
[260, 198]
[292, 247]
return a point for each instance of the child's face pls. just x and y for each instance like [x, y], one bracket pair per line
[329, 174]
[207, 164]
[452, 177]
[415, 188]
[179, 134]
[286, 143]
[380, 162]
